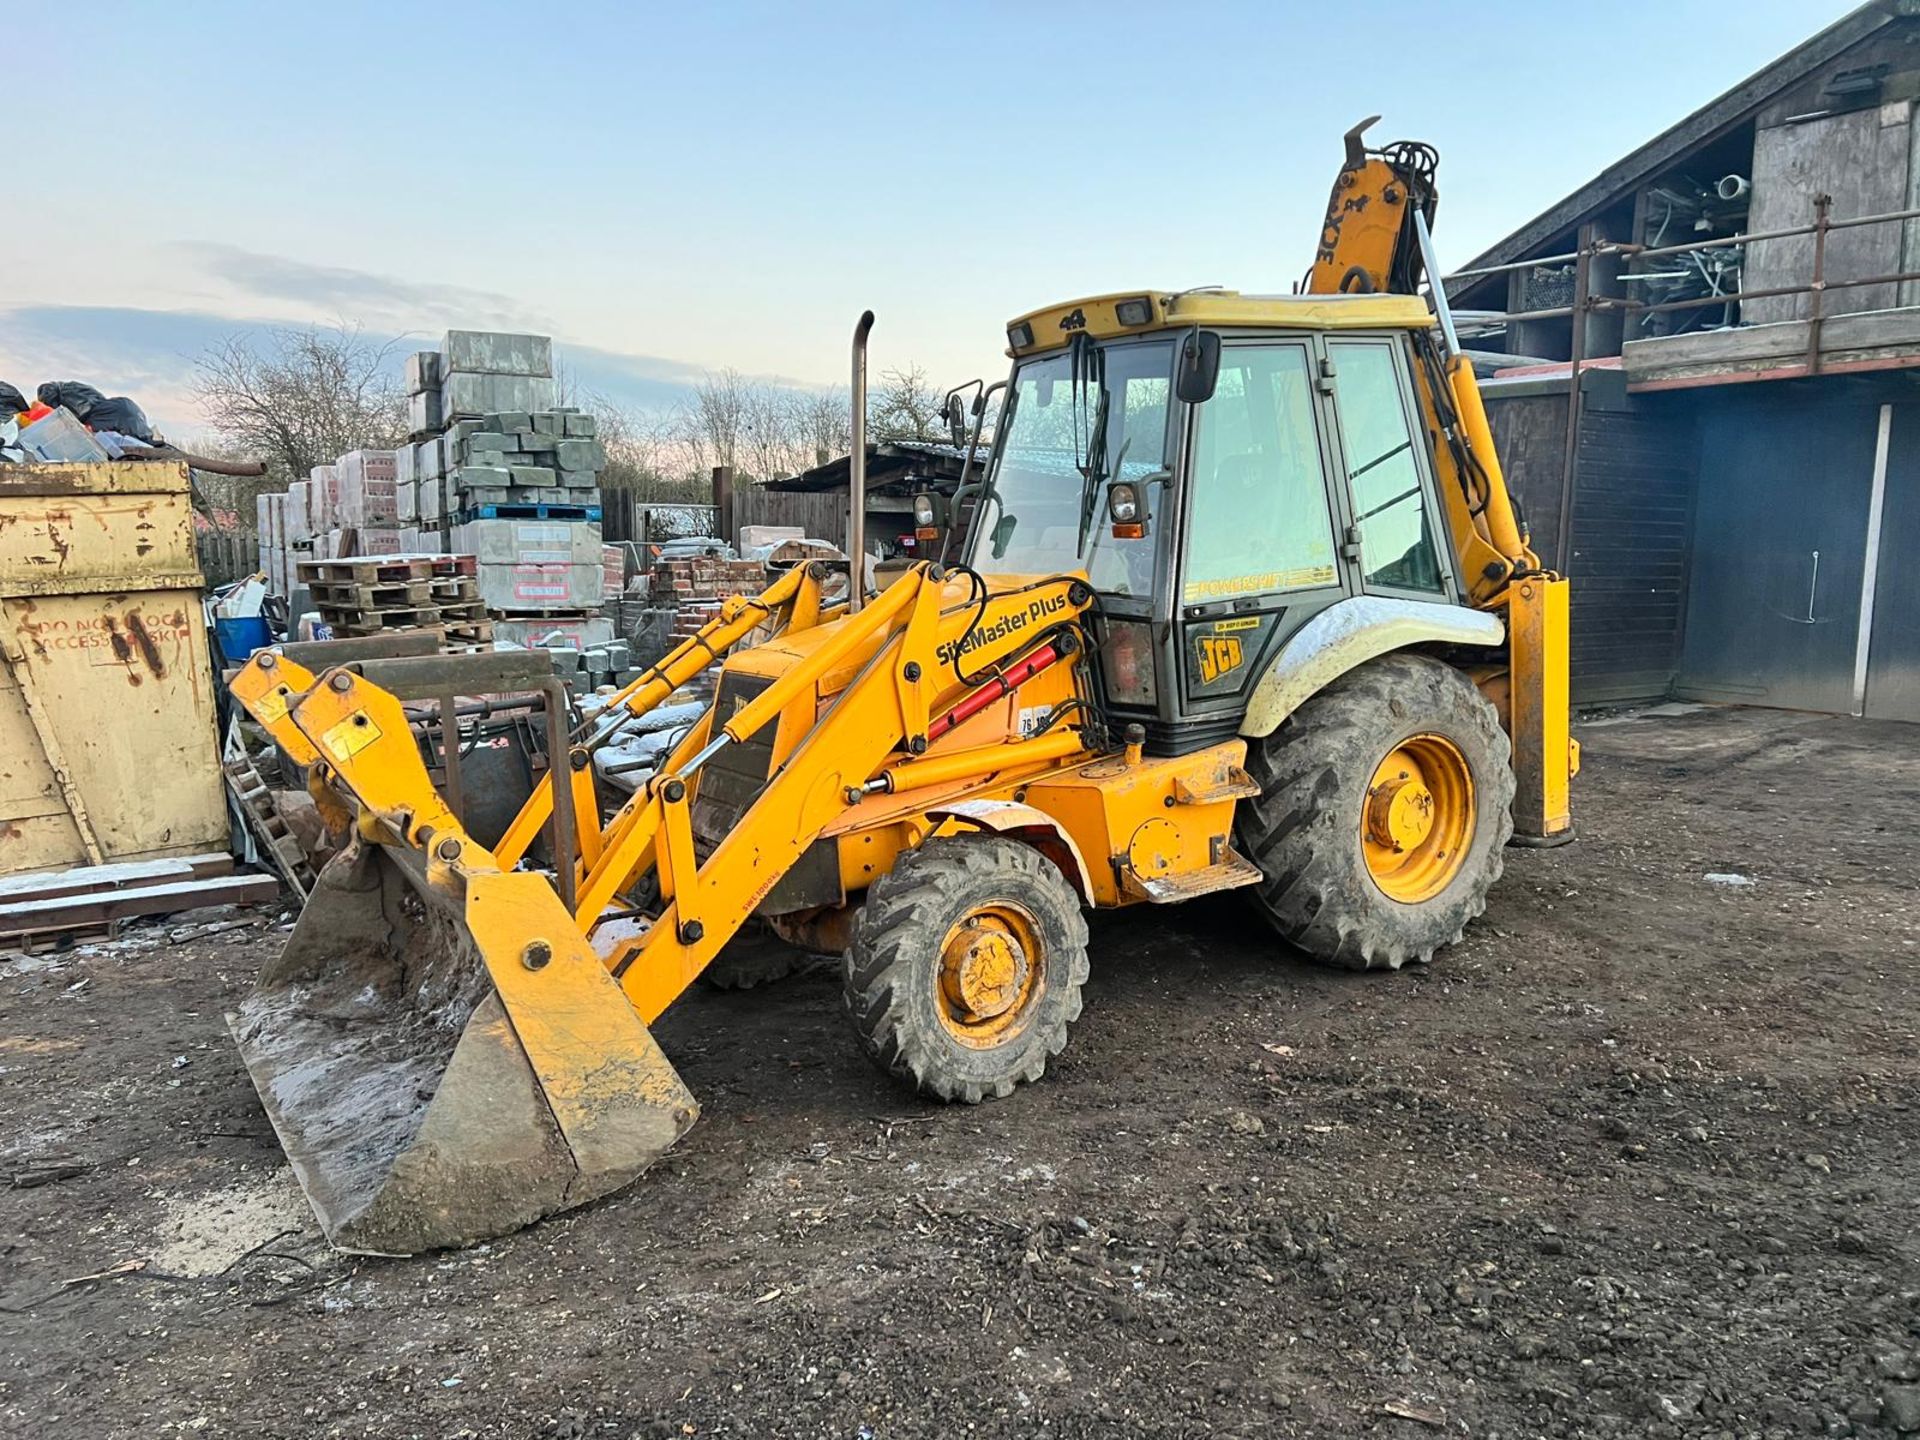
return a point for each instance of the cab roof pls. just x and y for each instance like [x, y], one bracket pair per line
[1151, 310]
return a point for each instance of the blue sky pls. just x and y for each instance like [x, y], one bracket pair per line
[675, 188]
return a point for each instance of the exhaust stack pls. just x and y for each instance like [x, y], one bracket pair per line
[857, 469]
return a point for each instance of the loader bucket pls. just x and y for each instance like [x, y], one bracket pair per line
[445, 1059]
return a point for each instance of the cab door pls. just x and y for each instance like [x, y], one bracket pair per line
[1388, 538]
[1260, 547]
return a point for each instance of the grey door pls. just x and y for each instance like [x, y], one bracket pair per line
[1893, 650]
[1780, 532]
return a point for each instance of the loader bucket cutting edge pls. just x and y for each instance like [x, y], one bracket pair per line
[445, 1059]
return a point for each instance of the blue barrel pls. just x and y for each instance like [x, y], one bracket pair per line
[240, 638]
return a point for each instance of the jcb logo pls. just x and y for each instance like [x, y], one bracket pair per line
[1219, 655]
[1075, 319]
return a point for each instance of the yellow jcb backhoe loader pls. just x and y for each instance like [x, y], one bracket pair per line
[1244, 603]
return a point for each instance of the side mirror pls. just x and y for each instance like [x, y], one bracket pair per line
[956, 419]
[1002, 533]
[1199, 367]
[1043, 391]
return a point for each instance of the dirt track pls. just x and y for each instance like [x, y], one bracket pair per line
[1638, 1157]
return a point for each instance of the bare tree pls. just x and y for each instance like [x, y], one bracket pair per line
[647, 454]
[905, 407]
[298, 398]
[765, 431]
[717, 416]
[824, 421]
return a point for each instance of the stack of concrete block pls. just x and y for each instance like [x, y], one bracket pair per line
[535, 566]
[406, 490]
[323, 499]
[485, 372]
[267, 508]
[476, 373]
[423, 394]
[297, 529]
[430, 505]
[548, 458]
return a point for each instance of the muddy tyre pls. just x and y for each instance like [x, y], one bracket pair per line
[966, 967]
[1383, 814]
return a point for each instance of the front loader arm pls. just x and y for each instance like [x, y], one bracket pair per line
[794, 597]
[881, 715]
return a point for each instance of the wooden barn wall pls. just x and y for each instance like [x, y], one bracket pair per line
[1632, 529]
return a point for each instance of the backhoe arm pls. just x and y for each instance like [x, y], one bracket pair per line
[1377, 237]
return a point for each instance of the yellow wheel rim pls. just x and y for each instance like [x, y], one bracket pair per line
[1417, 822]
[990, 975]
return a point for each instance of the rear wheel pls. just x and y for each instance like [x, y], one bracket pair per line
[966, 967]
[1383, 814]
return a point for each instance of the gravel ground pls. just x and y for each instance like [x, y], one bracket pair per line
[1636, 1158]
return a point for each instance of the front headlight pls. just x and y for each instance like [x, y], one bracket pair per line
[1123, 503]
[923, 511]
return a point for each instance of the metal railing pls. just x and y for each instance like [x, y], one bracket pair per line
[1586, 303]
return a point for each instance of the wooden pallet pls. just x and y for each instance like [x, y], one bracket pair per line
[386, 569]
[528, 512]
[448, 588]
[278, 843]
[375, 622]
[382, 595]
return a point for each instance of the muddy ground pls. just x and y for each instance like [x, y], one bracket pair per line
[1640, 1156]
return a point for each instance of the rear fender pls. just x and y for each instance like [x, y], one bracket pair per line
[1025, 823]
[1351, 632]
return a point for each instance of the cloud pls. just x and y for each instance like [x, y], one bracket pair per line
[150, 354]
[324, 291]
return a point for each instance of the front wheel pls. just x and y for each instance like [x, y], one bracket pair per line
[966, 967]
[1383, 814]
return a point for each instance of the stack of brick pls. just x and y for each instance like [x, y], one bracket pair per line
[366, 479]
[694, 587]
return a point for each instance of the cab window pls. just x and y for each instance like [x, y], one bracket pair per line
[1258, 522]
[1389, 505]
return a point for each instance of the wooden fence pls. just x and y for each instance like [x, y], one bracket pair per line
[227, 555]
[821, 514]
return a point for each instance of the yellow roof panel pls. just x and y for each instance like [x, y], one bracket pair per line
[1220, 309]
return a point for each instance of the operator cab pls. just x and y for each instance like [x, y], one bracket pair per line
[1223, 467]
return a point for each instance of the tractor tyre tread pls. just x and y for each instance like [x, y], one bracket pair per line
[1303, 829]
[892, 967]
